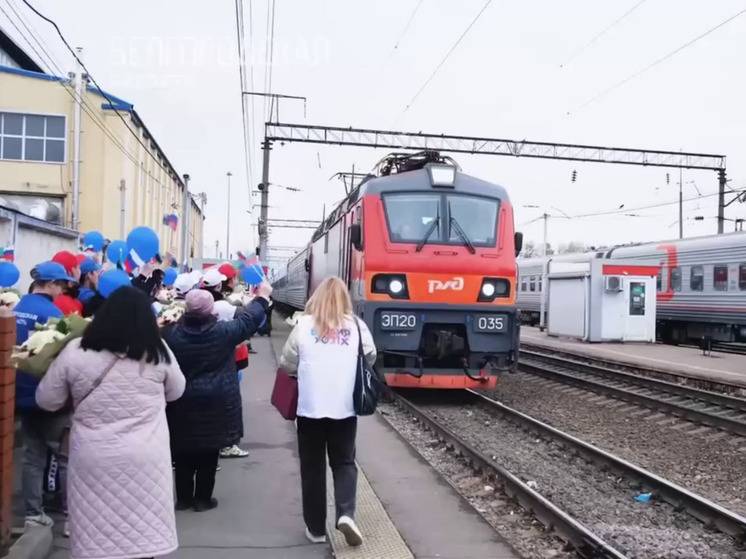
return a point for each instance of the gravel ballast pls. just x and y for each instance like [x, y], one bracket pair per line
[701, 459]
[515, 525]
[603, 502]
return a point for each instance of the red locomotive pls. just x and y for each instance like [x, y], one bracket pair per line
[429, 254]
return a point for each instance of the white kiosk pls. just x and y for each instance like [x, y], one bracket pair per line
[601, 300]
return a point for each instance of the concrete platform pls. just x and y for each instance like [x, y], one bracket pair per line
[725, 368]
[433, 520]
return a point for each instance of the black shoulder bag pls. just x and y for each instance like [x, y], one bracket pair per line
[368, 385]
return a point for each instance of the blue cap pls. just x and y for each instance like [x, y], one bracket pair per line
[50, 271]
[89, 265]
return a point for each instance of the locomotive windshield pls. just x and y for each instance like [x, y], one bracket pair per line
[441, 219]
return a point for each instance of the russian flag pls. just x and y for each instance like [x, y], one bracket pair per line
[9, 254]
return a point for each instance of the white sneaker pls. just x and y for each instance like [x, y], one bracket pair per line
[352, 534]
[315, 539]
[233, 452]
[38, 520]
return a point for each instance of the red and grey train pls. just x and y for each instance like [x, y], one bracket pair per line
[429, 255]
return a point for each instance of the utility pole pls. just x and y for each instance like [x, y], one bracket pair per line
[122, 208]
[722, 182]
[75, 214]
[185, 208]
[545, 217]
[263, 210]
[681, 203]
[228, 219]
[217, 248]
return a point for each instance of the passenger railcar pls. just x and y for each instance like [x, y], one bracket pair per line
[429, 255]
[701, 288]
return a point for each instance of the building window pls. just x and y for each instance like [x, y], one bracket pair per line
[720, 278]
[676, 279]
[697, 281]
[26, 137]
[742, 277]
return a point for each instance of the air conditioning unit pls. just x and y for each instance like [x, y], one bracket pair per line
[612, 284]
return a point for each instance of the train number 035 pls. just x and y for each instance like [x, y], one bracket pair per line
[490, 323]
[398, 321]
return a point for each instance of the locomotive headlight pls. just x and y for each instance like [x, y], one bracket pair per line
[393, 285]
[488, 289]
[396, 286]
[492, 288]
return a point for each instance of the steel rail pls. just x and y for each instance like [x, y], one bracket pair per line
[654, 402]
[706, 396]
[586, 543]
[709, 512]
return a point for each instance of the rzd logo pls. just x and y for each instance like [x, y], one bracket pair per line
[455, 284]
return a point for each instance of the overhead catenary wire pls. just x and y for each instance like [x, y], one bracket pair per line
[656, 62]
[111, 103]
[271, 60]
[407, 25]
[600, 34]
[247, 137]
[464, 33]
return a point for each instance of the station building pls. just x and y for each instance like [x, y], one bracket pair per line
[122, 182]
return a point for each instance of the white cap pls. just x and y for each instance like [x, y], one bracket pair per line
[213, 277]
[187, 281]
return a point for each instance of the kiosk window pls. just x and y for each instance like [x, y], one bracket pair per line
[636, 298]
[697, 281]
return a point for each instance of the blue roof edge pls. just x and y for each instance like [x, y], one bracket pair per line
[116, 102]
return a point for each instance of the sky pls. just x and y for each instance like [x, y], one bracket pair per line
[525, 70]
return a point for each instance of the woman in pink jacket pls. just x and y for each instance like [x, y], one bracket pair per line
[118, 377]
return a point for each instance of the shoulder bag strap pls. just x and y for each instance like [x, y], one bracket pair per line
[359, 338]
[98, 381]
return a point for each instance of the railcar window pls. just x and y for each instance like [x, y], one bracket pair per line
[742, 277]
[523, 281]
[539, 283]
[532, 283]
[697, 280]
[411, 215]
[720, 278]
[476, 216]
[676, 279]
[659, 281]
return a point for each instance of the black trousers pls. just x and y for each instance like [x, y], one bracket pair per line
[195, 475]
[316, 438]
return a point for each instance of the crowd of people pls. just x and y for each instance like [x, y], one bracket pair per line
[135, 408]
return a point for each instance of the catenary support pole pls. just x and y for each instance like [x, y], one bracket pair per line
[722, 181]
[263, 210]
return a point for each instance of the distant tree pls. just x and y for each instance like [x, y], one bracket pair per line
[572, 247]
[529, 249]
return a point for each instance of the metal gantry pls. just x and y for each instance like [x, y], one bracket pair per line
[418, 141]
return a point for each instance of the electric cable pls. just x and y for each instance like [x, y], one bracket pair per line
[404, 31]
[447, 55]
[656, 62]
[240, 37]
[600, 34]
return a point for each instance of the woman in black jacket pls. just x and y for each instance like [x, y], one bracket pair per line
[208, 416]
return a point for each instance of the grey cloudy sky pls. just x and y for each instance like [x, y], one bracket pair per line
[177, 62]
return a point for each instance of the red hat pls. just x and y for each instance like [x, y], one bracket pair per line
[228, 270]
[81, 258]
[67, 259]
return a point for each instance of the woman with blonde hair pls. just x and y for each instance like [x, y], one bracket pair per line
[323, 349]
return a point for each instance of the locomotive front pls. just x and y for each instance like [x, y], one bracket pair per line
[437, 280]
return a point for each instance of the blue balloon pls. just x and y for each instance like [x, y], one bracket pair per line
[9, 274]
[112, 280]
[93, 240]
[169, 276]
[117, 252]
[142, 244]
[252, 275]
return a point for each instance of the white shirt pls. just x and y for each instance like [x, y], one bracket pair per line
[326, 367]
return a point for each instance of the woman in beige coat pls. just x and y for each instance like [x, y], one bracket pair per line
[118, 376]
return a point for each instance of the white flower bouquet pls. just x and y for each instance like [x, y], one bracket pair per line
[46, 342]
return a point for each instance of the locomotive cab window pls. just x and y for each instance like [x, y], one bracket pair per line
[697, 280]
[441, 219]
[742, 277]
[676, 279]
[720, 278]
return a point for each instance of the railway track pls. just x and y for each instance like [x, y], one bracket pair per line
[583, 539]
[713, 409]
